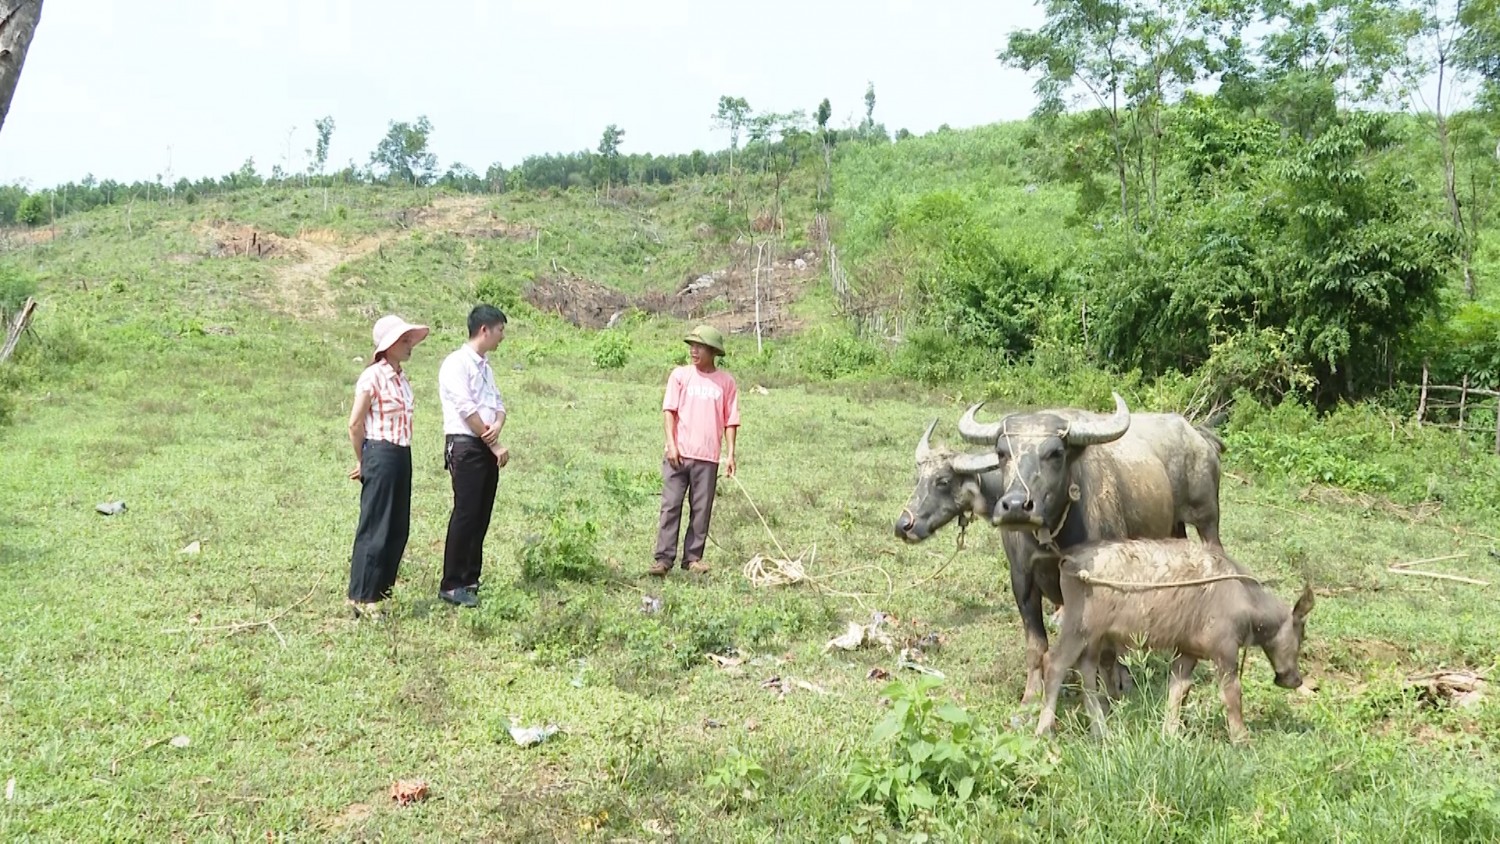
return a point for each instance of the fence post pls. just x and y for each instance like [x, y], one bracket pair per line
[1422, 403]
[1463, 399]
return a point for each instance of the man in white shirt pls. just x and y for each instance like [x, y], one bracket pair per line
[473, 416]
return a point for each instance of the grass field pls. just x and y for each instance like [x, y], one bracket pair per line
[186, 386]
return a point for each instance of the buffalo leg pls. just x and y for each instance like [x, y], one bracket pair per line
[1029, 602]
[1208, 531]
[1093, 701]
[1117, 680]
[1177, 692]
[1069, 648]
[1229, 687]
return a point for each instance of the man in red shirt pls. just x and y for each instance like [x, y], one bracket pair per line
[701, 407]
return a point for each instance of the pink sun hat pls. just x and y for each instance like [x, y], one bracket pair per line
[390, 328]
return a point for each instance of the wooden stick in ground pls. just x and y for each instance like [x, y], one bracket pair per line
[16, 328]
[114, 764]
[1439, 576]
[270, 623]
[1411, 563]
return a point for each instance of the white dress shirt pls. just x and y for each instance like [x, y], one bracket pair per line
[467, 386]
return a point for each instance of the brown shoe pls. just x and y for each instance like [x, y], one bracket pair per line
[660, 569]
[697, 567]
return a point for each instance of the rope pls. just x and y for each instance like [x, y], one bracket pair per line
[1086, 576]
[764, 571]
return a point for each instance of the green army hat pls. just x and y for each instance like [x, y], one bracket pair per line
[709, 336]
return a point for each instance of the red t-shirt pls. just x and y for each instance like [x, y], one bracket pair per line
[705, 403]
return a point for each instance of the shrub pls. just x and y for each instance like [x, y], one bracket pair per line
[611, 350]
[835, 354]
[566, 549]
[33, 210]
[15, 288]
[928, 754]
[503, 295]
[1464, 810]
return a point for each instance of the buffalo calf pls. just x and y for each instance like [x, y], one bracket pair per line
[1169, 595]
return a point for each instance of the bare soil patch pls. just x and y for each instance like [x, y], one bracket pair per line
[12, 238]
[726, 296]
[464, 217]
[301, 264]
[230, 240]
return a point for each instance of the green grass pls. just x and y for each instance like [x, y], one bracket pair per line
[236, 440]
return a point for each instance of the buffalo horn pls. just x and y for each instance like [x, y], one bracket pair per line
[978, 432]
[1095, 431]
[924, 446]
[973, 464]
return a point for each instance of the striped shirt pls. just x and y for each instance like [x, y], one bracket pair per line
[391, 403]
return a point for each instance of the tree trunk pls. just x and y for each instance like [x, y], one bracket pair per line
[18, 20]
[1450, 186]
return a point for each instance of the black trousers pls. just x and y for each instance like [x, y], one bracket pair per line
[384, 520]
[696, 479]
[476, 475]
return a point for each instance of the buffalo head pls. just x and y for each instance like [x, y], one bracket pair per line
[1285, 647]
[948, 485]
[1033, 459]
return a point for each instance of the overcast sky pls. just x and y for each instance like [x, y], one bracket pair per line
[127, 90]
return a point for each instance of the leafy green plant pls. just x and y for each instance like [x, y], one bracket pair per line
[627, 488]
[15, 287]
[611, 350]
[835, 354]
[737, 778]
[1465, 810]
[33, 210]
[928, 753]
[566, 549]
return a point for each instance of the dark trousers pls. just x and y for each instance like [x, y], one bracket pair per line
[697, 479]
[476, 474]
[384, 520]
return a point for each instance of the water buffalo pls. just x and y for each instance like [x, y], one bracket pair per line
[1057, 478]
[1171, 595]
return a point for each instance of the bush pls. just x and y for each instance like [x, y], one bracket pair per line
[567, 549]
[831, 354]
[1287, 441]
[929, 754]
[15, 288]
[932, 356]
[33, 210]
[611, 350]
[500, 293]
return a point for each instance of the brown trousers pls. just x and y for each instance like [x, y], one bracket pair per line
[697, 479]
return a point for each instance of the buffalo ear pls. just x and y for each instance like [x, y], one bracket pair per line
[1304, 603]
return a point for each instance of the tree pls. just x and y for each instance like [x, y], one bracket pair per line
[1434, 52]
[869, 124]
[18, 22]
[732, 114]
[609, 151]
[1079, 45]
[825, 111]
[1131, 59]
[319, 153]
[1478, 47]
[33, 210]
[403, 154]
[494, 178]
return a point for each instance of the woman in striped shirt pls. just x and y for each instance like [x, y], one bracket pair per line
[380, 431]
